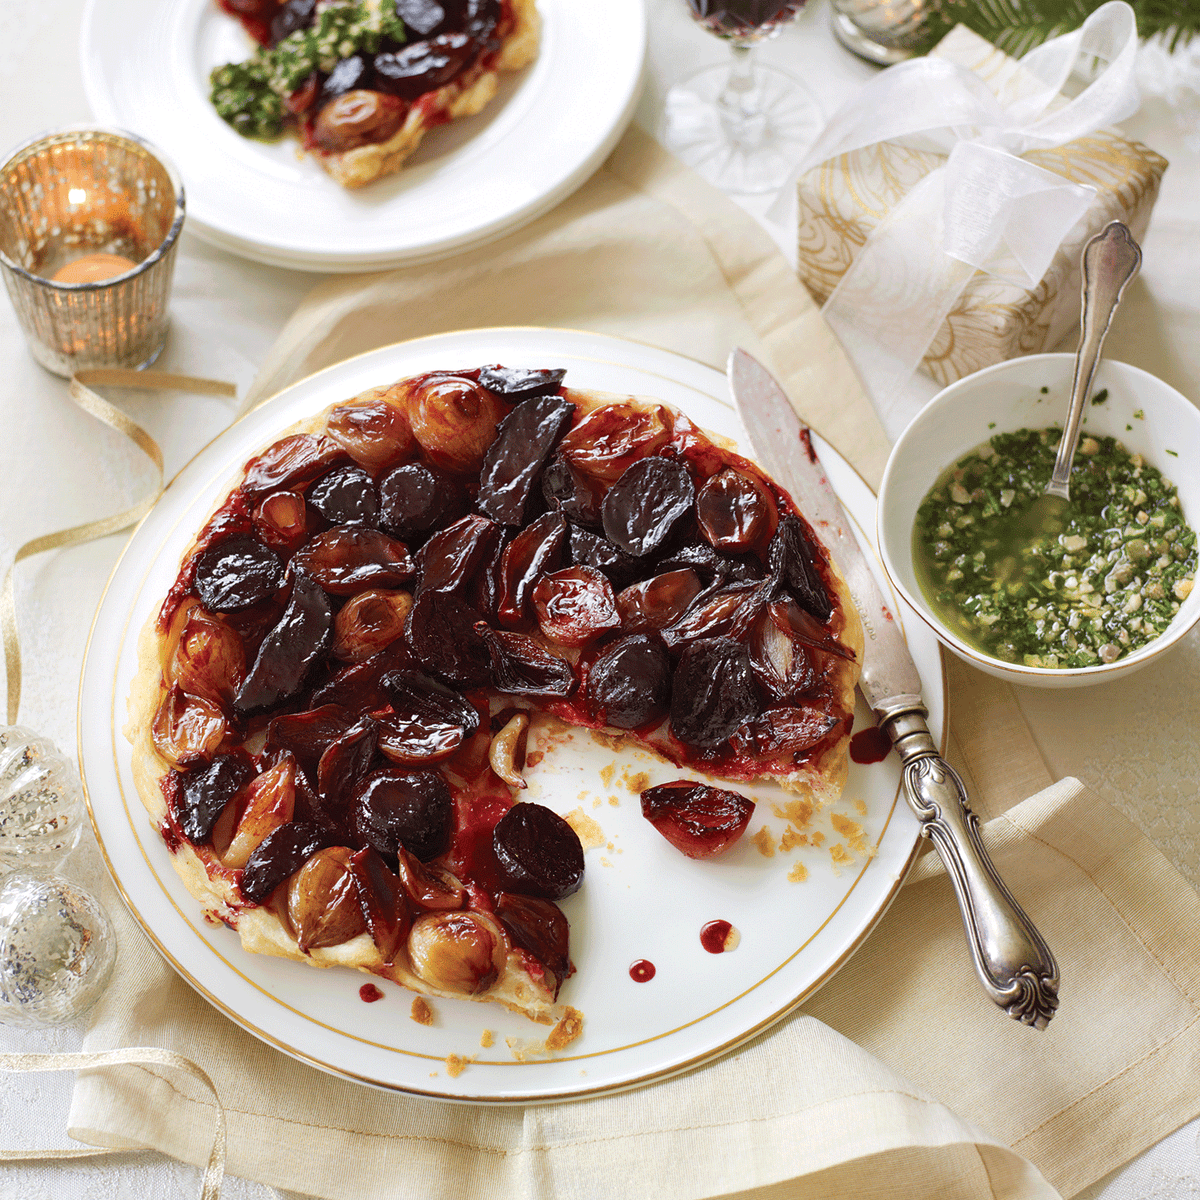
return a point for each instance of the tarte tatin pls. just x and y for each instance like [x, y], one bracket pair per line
[330, 716]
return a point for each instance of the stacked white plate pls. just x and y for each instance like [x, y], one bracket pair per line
[146, 65]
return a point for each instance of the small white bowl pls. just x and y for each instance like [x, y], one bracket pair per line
[1142, 412]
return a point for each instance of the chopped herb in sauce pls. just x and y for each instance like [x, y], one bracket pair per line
[1053, 584]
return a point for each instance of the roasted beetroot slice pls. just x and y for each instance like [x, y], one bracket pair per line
[697, 819]
[291, 462]
[629, 685]
[590, 550]
[644, 506]
[421, 17]
[415, 498]
[345, 496]
[452, 558]
[413, 809]
[713, 693]
[295, 14]
[349, 559]
[572, 493]
[793, 557]
[359, 688]
[290, 651]
[422, 66]
[384, 907]
[280, 854]
[524, 667]
[521, 383]
[441, 633]
[205, 790]
[236, 574]
[538, 852]
[540, 929]
[513, 463]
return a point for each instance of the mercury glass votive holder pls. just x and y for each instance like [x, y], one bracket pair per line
[68, 199]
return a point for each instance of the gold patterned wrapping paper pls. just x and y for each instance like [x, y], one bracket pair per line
[842, 200]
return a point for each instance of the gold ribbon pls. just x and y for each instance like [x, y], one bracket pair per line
[214, 1172]
[114, 418]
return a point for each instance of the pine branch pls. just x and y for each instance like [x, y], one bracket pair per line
[1016, 26]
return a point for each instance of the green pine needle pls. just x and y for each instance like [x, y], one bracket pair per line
[1016, 26]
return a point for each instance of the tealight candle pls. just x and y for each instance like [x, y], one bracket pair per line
[89, 222]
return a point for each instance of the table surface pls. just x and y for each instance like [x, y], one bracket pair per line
[226, 314]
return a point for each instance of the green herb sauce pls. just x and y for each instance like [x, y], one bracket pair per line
[1046, 583]
[250, 95]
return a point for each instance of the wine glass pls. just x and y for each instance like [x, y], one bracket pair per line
[743, 126]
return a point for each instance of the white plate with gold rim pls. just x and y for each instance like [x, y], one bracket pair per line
[641, 899]
[146, 64]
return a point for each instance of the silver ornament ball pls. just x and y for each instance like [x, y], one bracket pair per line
[57, 949]
[41, 813]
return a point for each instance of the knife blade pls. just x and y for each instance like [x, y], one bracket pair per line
[1011, 958]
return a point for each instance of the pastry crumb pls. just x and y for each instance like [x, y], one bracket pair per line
[456, 1065]
[597, 802]
[589, 832]
[607, 773]
[610, 741]
[839, 855]
[422, 1013]
[486, 1038]
[615, 801]
[636, 783]
[532, 760]
[861, 806]
[764, 842]
[818, 838]
[791, 839]
[569, 1027]
[853, 832]
[798, 874]
[798, 812]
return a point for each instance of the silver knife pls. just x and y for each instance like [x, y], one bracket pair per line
[1012, 960]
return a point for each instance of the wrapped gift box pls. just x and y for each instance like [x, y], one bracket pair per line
[843, 200]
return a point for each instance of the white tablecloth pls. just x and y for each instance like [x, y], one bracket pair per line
[1134, 742]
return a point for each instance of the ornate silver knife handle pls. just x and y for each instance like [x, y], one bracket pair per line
[1011, 958]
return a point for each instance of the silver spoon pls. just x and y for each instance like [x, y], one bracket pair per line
[1110, 260]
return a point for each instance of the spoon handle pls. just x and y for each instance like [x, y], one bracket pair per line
[1110, 260]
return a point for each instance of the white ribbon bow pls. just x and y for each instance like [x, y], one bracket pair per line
[987, 208]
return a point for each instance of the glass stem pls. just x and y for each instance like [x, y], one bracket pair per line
[739, 103]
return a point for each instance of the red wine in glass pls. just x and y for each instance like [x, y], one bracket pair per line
[743, 126]
[744, 20]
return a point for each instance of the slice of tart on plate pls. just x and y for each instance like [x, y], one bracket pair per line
[363, 81]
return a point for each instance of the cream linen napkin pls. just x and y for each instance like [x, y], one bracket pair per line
[941, 1088]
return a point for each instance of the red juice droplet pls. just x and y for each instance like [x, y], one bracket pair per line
[641, 971]
[369, 993]
[715, 936]
[870, 745]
